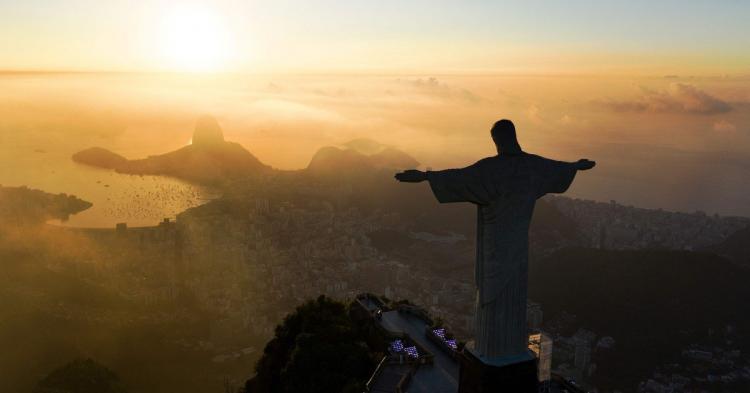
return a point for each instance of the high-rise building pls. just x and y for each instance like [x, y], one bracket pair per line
[541, 344]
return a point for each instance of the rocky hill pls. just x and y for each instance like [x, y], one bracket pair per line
[358, 156]
[22, 205]
[209, 159]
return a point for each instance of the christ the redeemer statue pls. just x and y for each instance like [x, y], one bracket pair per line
[505, 188]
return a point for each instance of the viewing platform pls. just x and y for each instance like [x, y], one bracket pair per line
[423, 358]
[432, 370]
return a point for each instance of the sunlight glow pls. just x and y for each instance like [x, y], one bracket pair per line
[195, 39]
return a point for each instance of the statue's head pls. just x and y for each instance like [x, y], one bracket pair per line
[504, 136]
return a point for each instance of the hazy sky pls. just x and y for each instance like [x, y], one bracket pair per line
[639, 37]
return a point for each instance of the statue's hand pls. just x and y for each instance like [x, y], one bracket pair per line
[411, 176]
[584, 164]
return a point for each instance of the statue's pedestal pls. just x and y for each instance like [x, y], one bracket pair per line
[516, 374]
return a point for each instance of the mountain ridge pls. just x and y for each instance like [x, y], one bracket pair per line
[210, 159]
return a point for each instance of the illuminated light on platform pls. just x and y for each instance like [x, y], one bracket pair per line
[440, 333]
[397, 346]
[452, 343]
[412, 351]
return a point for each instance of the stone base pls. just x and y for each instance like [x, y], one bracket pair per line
[517, 375]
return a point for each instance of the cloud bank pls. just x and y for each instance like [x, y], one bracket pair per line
[677, 98]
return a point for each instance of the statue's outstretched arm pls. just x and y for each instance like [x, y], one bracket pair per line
[411, 176]
[585, 164]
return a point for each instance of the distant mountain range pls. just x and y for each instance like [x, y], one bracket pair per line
[211, 160]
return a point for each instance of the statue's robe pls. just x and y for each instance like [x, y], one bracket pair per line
[505, 190]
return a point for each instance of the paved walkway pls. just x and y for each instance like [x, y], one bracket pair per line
[439, 377]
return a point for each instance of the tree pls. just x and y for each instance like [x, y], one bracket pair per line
[317, 348]
[80, 376]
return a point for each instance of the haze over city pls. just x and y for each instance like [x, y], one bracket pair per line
[313, 107]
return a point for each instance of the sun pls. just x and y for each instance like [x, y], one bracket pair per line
[195, 39]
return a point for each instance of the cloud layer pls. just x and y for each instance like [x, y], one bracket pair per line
[677, 98]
